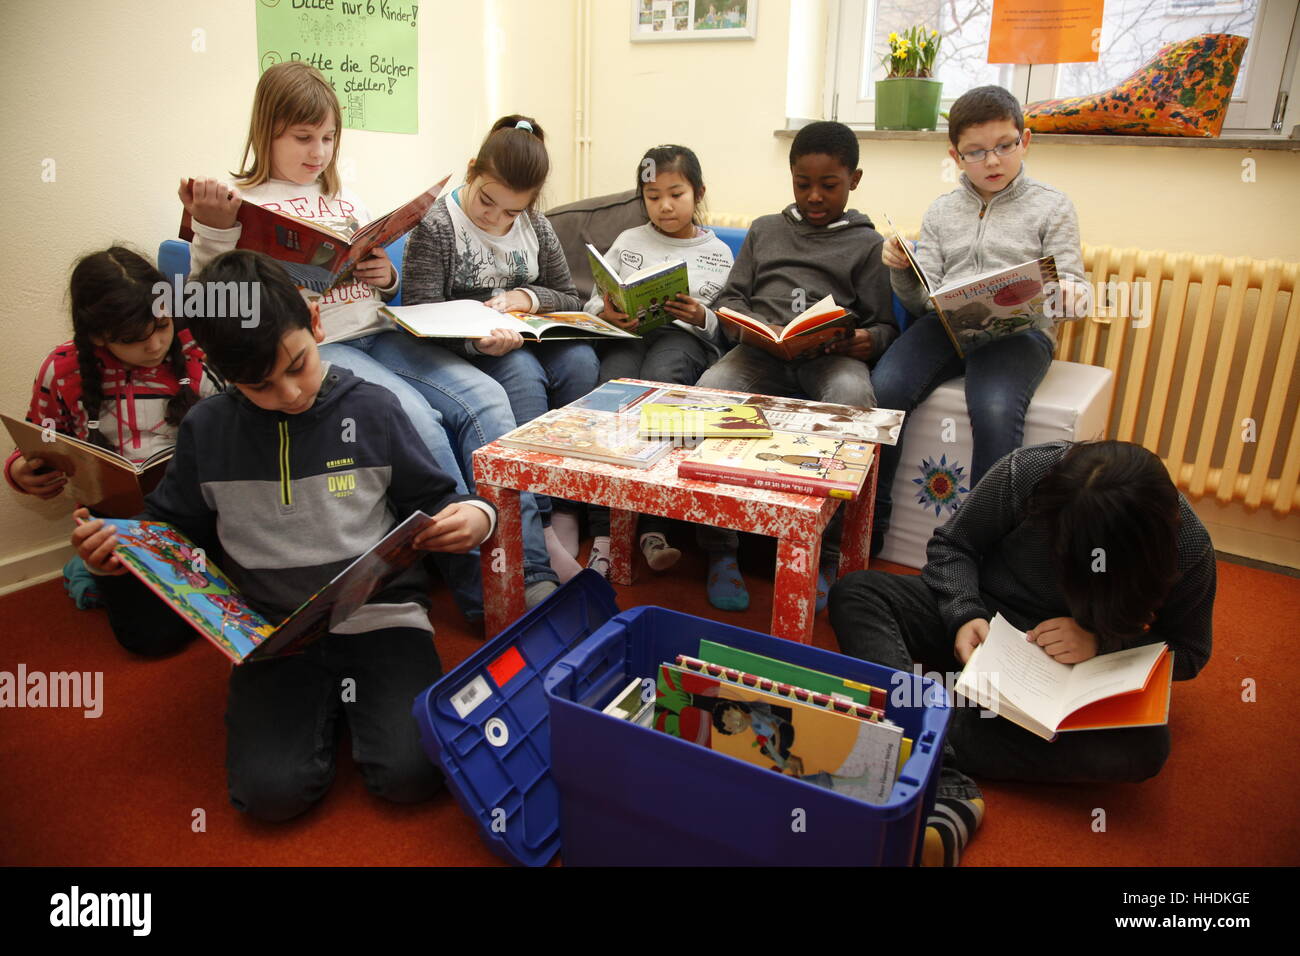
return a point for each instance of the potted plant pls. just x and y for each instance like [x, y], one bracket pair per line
[908, 97]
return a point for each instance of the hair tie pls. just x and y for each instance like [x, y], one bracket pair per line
[524, 124]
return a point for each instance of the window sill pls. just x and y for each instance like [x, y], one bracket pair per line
[1226, 141]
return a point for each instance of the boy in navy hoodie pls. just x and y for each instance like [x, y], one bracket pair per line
[284, 479]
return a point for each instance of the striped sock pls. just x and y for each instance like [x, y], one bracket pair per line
[949, 829]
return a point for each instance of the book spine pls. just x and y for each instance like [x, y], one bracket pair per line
[767, 481]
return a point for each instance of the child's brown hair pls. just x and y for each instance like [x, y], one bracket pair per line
[514, 151]
[290, 94]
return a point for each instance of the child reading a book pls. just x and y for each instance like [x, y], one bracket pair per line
[293, 141]
[812, 249]
[487, 241]
[1090, 549]
[997, 217]
[248, 483]
[124, 382]
[671, 185]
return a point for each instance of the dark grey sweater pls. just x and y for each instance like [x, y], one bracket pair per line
[988, 557]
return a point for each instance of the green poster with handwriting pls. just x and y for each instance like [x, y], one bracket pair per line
[367, 49]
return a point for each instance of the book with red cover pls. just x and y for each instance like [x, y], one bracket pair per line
[799, 464]
[806, 335]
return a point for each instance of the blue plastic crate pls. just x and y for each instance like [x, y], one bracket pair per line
[634, 796]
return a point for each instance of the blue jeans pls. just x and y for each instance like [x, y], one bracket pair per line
[474, 411]
[1000, 381]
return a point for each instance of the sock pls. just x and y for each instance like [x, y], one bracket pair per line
[825, 579]
[598, 560]
[657, 552]
[562, 562]
[949, 829]
[565, 524]
[726, 587]
[537, 592]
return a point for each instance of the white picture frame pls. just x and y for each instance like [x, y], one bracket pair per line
[659, 20]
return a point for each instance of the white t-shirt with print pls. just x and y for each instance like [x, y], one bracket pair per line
[484, 261]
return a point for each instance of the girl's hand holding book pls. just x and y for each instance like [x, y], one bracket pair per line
[685, 308]
[515, 300]
[613, 316]
[457, 528]
[210, 202]
[376, 269]
[1064, 640]
[499, 342]
[969, 636]
[27, 474]
[95, 542]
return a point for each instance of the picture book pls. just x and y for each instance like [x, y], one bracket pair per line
[806, 335]
[732, 675]
[470, 319]
[853, 757]
[178, 572]
[102, 480]
[697, 422]
[644, 292]
[584, 433]
[616, 395]
[1020, 681]
[315, 256]
[793, 674]
[799, 464]
[880, 425]
[991, 306]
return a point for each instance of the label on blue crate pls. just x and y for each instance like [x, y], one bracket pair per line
[470, 696]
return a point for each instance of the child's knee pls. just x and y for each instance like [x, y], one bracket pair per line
[1151, 748]
[274, 794]
[154, 641]
[410, 778]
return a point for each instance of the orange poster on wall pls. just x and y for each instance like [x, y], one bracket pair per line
[1045, 31]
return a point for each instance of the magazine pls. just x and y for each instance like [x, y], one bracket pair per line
[471, 319]
[644, 292]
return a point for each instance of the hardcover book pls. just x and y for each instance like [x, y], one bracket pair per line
[644, 292]
[470, 319]
[586, 433]
[806, 335]
[800, 464]
[695, 422]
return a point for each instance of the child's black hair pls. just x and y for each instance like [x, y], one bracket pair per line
[113, 298]
[720, 710]
[830, 139]
[672, 159]
[984, 104]
[240, 351]
[1112, 516]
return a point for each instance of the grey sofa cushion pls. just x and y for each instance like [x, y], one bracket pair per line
[597, 220]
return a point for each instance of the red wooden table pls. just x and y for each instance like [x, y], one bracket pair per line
[797, 521]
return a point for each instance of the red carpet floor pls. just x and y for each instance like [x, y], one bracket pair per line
[125, 789]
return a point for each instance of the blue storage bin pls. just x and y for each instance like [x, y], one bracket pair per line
[634, 796]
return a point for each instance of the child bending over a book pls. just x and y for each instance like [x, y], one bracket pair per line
[996, 218]
[1090, 549]
[671, 185]
[248, 483]
[487, 241]
[812, 249]
[123, 383]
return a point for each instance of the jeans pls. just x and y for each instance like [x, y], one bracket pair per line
[474, 411]
[282, 718]
[1000, 381]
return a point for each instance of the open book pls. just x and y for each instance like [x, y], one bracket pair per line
[806, 335]
[315, 256]
[470, 319]
[102, 480]
[643, 293]
[173, 568]
[1021, 682]
[990, 306]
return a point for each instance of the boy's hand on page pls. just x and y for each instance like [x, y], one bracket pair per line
[210, 202]
[969, 636]
[892, 254]
[860, 345]
[376, 269]
[24, 473]
[95, 542]
[456, 528]
[613, 316]
[516, 300]
[1064, 640]
[499, 342]
[685, 308]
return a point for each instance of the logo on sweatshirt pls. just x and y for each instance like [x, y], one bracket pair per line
[339, 462]
[342, 485]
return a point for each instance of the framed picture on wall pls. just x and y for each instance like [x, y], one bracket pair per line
[694, 19]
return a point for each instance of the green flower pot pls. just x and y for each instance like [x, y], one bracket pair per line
[907, 102]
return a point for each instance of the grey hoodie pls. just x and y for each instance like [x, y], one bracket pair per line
[963, 236]
[787, 262]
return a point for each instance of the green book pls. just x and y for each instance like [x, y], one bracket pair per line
[784, 673]
[643, 293]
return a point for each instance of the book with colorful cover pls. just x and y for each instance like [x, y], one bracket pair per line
[661, 420]
[1020, 681]
[774, 669]
[616, 395]
[315, 256]
[806, 335]
[880, 425]
[471, 319]
[854, 757]
[104, 481]
[644, 292]
[177, 571]
[587, 433]
[799, 464]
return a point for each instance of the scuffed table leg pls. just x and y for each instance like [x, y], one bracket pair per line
[622, 529]
[502, 561]
[794, 591]
[855, 542]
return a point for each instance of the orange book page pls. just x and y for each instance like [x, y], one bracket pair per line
[809, 322]
[1141, 708]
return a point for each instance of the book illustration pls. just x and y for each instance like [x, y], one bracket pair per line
[585, 433]
[798, 463]
[784, 672]
[857, 758]
[643, 293]
[574, 322]
[838, 704]
[805, 336]
[670, 421]
[880, 425]
[471, 319]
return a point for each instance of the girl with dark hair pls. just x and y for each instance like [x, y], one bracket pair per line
[1090, 549]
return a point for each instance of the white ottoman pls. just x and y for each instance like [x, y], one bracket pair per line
[1072, 403]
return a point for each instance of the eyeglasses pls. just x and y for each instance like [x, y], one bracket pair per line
[979, 155]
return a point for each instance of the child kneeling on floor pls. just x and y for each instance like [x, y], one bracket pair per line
[247, 482]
